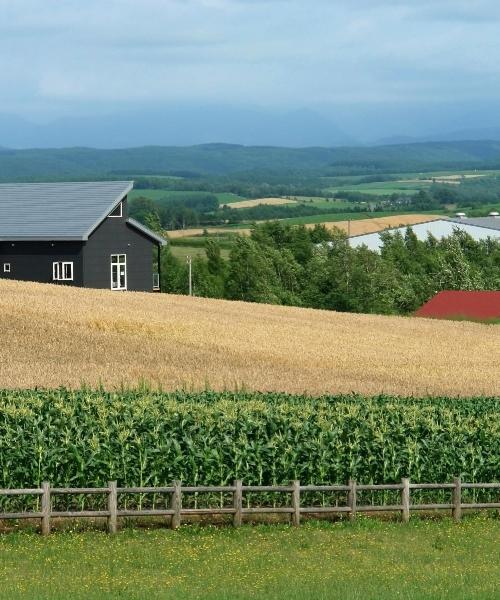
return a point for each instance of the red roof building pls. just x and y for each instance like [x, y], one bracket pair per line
[481, 306]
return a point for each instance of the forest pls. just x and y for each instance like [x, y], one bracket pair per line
[317, 268]
[250, 163]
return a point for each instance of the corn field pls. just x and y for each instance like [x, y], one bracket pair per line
[144, 438]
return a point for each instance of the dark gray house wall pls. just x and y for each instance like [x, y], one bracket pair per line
[83, 223]
[115, 236]
[32, 261]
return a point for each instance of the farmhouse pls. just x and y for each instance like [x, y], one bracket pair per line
[478, 228]
[75, 234]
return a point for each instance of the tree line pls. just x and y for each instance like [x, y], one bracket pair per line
[317, 268]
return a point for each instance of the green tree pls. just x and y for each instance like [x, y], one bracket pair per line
[251, 275]
[454, 272]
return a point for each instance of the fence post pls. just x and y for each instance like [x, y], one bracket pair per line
[46, 509]
[405, 500]
[112, 507]
[457, 499]
[176, 505]
[296, 503]
[238, 503]
[352, 499]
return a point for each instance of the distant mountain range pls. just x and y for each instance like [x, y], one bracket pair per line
[187, 126]
[227, 159]
[481, 134]
[176, 127]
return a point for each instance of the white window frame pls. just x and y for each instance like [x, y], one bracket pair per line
[6, 267]
[59, 271]
[112, 216]
[116, 261]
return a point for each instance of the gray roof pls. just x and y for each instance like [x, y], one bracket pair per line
[57, 211]
[488, 222]
[147, 231]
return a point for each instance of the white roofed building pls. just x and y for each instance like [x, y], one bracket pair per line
[480, 228]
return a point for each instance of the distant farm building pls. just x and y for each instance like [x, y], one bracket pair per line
[75, 234]
[474, 305]
[478, 228]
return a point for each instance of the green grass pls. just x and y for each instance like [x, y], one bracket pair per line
[194, 251]
[224, 240]
[223, 197]
[323, 202]
[382, 188]
[367, 560]
[228, 198]
[152, 194]
[415, 183]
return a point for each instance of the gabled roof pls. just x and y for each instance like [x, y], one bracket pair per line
[481, 305]
[487, 222]
[57, 211]
[393, 228]
[154, 236]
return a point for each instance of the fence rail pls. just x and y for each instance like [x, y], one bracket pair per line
[295, 509]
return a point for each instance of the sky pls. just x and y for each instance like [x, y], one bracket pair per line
[351, 58]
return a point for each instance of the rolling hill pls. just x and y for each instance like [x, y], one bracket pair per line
[226, 159]
[52, 336]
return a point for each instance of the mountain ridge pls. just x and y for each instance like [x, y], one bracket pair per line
[218, 159]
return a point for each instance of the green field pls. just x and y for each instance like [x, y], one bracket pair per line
[402, 183]
[381, 188]
[195, 245]
[378, 193]
[183, 251]
[228, 198]
[367, 560]
[327, 203]
[160, 194]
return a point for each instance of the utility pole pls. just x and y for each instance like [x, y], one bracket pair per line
[189, 262]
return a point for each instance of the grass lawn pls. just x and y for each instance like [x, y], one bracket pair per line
[368, 560]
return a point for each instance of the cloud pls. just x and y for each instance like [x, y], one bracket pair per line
[274, 52]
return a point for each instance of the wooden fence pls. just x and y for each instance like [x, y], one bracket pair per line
[295, 508]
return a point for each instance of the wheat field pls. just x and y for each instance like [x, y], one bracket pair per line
[259, 201]
[53, 335]
[363, 226]
[356, 227]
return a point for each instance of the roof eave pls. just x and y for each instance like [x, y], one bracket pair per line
[146, 231]
[28, 238]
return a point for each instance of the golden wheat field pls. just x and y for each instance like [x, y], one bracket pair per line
[53, 335]
[378, 223]
[356, 227]
[259, 201]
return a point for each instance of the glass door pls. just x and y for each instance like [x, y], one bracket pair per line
[118, 271]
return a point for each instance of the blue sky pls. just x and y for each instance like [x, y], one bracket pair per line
[69, 57]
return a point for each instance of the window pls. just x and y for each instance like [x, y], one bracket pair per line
[118, 271]
[62, 271]
[6, 267]
[118, 212]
